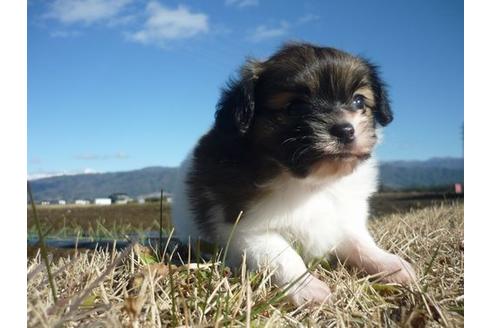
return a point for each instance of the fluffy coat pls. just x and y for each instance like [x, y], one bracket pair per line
[291, 151]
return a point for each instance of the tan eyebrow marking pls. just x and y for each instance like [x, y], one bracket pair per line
[368, 94]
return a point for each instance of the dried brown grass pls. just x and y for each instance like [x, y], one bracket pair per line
[110, 288]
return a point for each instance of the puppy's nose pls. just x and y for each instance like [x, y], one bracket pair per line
[345, 132]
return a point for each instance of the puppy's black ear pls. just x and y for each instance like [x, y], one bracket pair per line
[236, 108]
[382, 110]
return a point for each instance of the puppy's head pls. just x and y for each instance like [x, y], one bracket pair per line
[313, 110]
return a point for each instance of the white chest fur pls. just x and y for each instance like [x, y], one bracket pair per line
[320, 216]
[315, 214]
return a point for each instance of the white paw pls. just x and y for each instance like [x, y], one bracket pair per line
[311, 290]
[395, 269]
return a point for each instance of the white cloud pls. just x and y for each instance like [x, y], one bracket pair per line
[122, 20]
[64, 34]
[264, 32]
[85, 11]
[165, 24]
[308, 18]
[242, 3]
[46, 174]
[98, 157]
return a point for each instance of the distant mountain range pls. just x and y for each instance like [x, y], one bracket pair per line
[421, 174]
[94, 185]
[393, 175]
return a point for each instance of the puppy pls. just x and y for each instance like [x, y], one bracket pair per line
[290, 149]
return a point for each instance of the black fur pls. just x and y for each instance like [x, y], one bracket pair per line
[383, 112]
[275, 118]
[237, 105]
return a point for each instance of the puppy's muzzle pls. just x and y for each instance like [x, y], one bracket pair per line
[344, 132]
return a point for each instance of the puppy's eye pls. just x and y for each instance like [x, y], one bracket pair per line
[359, 101]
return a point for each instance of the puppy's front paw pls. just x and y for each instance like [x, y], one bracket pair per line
[311, 289]
[395, 269]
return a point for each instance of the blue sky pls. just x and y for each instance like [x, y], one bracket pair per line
[123, 84]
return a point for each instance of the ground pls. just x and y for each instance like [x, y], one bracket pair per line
[130, 288]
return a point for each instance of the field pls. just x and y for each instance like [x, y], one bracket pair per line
[131, 288]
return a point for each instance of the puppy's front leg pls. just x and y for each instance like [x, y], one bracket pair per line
[361, 252]
[272, 250]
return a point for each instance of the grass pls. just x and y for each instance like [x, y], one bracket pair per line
[130, 288]
[97, 221]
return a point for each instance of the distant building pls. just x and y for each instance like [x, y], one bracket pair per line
[120, 198]
[154, 197]
[45, 202]
[62, 202]
[81, 202]
[102, 201]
